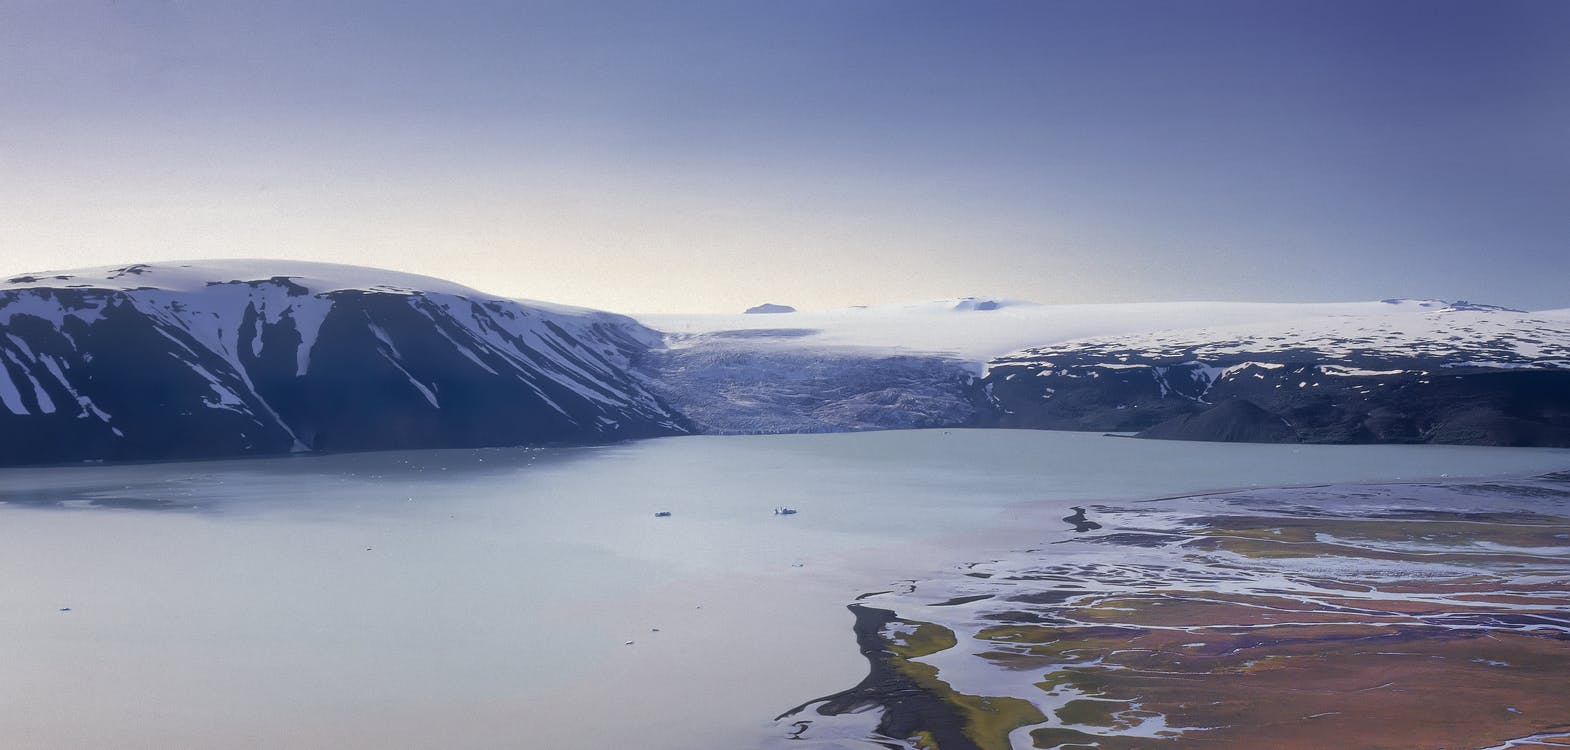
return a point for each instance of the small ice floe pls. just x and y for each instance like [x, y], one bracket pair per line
[662, 514]
[784, 511]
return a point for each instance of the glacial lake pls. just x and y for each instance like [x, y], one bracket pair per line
[531, 598]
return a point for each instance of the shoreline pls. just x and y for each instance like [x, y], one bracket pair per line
[492, 594]
[907, 709]
[933, 714]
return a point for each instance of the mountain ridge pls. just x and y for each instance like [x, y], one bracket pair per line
[154, 361]
[198, 359]
[1393, 370]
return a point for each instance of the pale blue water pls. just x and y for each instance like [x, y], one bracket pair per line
[483, 598]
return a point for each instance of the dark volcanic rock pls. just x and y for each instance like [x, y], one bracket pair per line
[1233, 421]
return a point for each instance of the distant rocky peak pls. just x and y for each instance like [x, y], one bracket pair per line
[769, 308]
[1465, 306]
[1439, 305]
[976, 303]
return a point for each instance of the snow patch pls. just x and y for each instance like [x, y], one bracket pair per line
[10, 396]
[1354, 371]
[421, 387]
[1498, 365]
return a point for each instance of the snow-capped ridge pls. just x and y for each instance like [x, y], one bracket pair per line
[195, 275]
[303, 277]
[980, 329]
[231, 357]
[1377, 371]
[1450, 336]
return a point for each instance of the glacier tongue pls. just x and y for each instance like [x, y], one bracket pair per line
[1338, 372]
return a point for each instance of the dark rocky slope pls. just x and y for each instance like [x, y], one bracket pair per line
[1463, 375]
[207, 360]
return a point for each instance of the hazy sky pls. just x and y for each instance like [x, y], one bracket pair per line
[707, 156]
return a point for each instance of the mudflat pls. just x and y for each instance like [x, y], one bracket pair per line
[1353, 616]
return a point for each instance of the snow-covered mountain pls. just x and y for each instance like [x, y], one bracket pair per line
[979, 329]
[886, 366]
[225, 358]
[1455, 373]
[1387, 371]
[222, 358]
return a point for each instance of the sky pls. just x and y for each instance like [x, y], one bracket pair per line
[682, 156]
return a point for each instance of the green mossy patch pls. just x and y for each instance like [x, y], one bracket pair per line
[1096, 713]
[988, 720]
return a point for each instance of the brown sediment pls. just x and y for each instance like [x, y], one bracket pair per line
[1308, 691]
[1455, 530]
[1469, 650]
[1388, 668]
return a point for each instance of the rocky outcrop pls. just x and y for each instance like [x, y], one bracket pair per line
[1232, 421]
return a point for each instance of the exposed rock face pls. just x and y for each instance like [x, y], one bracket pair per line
[153, 362]
[1233, 421]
